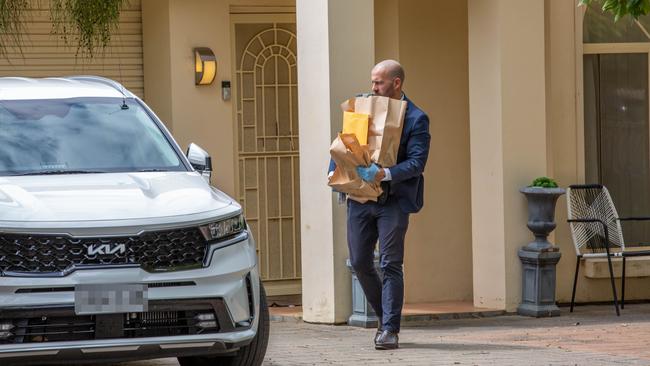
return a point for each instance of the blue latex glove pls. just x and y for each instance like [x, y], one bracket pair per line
[368, 174]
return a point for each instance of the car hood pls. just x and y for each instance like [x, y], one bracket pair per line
[107, 197]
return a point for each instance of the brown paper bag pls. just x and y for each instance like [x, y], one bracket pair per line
[386, 118]
[385, 128]
[348, 154]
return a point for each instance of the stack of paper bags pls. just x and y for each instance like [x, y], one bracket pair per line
[374, 120]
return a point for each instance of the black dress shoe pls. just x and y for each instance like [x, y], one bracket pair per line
[387, 340]
[379, 331]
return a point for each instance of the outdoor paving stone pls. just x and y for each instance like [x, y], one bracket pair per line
[592, 335]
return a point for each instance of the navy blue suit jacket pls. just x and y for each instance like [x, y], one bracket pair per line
[407, 183]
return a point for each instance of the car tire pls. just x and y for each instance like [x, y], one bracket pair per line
[250, 355]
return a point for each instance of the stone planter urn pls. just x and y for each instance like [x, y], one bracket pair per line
[539, 257]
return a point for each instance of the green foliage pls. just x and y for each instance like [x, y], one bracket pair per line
[544, 182]
[621, 8]
[11, 23]
[90, 22]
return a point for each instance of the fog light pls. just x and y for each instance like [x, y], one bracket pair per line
[5, 330]
[211, 324]
[206, 320]
[204, 317]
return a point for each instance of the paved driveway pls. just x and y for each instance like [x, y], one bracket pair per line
[591, 336]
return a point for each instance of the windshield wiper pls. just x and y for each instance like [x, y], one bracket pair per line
[55, 172]
[152, 170]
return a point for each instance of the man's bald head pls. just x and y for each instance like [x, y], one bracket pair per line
[393, 68]
[387, 79]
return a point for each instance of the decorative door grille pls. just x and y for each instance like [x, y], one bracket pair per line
[267, 124]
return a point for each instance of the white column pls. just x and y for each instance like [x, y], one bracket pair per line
[335, 56]
[508, 139]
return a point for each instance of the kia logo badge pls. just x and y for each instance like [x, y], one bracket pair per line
[103, 249]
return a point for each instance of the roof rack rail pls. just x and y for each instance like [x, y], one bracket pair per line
[102, 80]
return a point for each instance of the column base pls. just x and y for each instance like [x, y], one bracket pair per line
[363, 321]
[538, 311]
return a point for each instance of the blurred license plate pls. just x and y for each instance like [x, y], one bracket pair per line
[110, 299]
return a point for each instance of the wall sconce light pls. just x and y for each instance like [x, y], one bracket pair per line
[205, 68]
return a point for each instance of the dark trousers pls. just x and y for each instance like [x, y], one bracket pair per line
[387, 223]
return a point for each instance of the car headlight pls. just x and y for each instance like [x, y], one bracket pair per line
[224, 228]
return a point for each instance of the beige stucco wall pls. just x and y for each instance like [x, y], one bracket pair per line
[387, 20]
[171, 29]
[433, 50]
[431, 39]
[436, 81]
[197, 114]
[565, 125]
[157, 58]
[508, 139]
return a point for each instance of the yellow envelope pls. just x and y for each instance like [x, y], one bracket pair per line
[357, 124]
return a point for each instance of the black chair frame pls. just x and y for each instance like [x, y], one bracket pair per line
[623, 254]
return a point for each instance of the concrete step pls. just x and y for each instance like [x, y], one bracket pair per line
[412, 315]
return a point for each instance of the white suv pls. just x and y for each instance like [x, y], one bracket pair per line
[113, 245]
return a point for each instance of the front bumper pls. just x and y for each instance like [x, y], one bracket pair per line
[230, 279]
[113, 350]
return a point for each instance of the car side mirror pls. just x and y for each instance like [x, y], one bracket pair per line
[200, 160]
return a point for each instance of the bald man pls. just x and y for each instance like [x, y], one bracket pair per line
[387, 220]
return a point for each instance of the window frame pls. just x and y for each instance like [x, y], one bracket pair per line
[595, 49]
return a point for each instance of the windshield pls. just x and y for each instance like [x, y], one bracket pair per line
[82, 135]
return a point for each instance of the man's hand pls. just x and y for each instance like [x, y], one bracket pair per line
[373, 173]
[381, 174]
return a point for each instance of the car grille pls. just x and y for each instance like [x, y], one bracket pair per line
[53, 329]
[163, 324]
[154, 251]
[176, 318]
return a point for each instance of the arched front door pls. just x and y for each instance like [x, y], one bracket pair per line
[267, 147]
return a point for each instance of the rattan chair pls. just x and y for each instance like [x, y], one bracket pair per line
[596, 231]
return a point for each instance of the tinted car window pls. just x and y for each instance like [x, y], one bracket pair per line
[85, 134]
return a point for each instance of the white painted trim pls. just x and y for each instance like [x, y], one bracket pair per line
[605, 48]
[243, 9]
[261, 18]
[580, 102]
